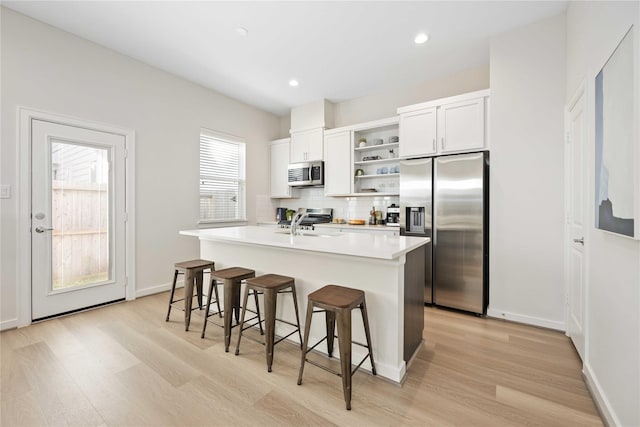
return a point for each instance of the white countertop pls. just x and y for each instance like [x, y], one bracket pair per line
[365, 227]
[368, 245]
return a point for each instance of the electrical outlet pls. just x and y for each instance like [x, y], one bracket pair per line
[5, 191]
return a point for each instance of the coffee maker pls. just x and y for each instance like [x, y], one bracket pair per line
[393, 215]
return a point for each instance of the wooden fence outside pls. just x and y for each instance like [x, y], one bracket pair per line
[80, 239]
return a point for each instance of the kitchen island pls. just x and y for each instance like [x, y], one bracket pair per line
[389, 269]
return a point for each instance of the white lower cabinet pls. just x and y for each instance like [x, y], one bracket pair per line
[278, 163]
[337, 164]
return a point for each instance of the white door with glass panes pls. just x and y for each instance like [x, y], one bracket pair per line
[77, 218]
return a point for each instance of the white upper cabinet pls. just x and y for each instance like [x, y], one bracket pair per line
[461, 126]
[418, 133]
[449, 125]
[306, 145]
[279, 160]
[337, 164]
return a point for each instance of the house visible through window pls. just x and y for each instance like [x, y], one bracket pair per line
[222, 177]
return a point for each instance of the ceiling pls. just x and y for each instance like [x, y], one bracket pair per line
[337, 50]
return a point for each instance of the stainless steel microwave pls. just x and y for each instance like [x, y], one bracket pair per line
[306, 174]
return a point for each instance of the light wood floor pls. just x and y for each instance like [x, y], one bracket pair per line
[123, 365]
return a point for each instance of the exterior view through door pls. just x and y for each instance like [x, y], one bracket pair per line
[77, 218]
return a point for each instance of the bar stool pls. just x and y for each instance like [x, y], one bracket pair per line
[337, 302]
[193, 272]
[232, 278]
[269, 285]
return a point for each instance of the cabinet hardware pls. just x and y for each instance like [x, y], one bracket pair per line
[434, 145]
[442, 143]
[580, 240]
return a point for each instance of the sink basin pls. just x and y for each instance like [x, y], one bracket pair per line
[310, 234]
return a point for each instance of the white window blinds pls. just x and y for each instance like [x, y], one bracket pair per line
[222, 178]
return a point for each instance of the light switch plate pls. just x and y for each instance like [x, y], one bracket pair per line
[5, 191]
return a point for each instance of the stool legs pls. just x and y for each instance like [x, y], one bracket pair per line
[173, 291]
[330, 319]
[188, 296]
[213, 288]
[270, 302]
[305, 343]
[295, 306]
[365, 321]
[231, 306]
[270, 322]
[344, 340]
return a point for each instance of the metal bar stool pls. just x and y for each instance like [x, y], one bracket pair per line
[269, 285]
[232, 278]
[193, 272]
[337, 302]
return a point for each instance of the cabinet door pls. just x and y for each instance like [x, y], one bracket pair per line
[299, 147]
[306, 146]
[461, 126]
[279, 160]
[337, 164]
[418, 133]
[315, 144]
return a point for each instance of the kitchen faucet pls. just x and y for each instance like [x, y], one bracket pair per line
[296, 221]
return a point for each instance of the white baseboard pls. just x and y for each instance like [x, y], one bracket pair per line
[601, 401]
[157, 289]
[8, 324]
[529, 320]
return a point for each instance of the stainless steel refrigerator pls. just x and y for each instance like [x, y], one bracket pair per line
[446, 198]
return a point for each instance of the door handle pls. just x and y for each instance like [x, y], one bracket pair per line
[580, 240]
[434, 144]
[42, 229]
[442, 143]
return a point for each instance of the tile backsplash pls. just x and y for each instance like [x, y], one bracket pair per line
[343, 207]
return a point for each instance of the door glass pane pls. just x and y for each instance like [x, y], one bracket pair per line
[80, 215]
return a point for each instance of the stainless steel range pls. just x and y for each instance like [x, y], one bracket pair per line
[310, 217]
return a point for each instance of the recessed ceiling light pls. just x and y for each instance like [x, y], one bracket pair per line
[242, 31]
[293, 83]
[421, 38]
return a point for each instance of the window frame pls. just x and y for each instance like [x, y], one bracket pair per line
[242, 192]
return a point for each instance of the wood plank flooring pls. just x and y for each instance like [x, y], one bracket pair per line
[123, 365]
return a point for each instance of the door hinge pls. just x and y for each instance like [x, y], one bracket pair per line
[567, 137]
[126, 153]
[126, 281]
[125, 217]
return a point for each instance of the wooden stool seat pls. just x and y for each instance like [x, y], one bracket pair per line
[193, 271]
[269, 285]
[337, 296]
[337, 302]
[232, 278]
[236, 273]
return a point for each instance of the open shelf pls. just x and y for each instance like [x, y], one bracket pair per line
[379, 161]
[377, 147]
[378, 175]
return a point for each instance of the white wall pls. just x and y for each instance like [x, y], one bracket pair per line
[51, 70]
[384, 104]
[612, 362]
[527, 151]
